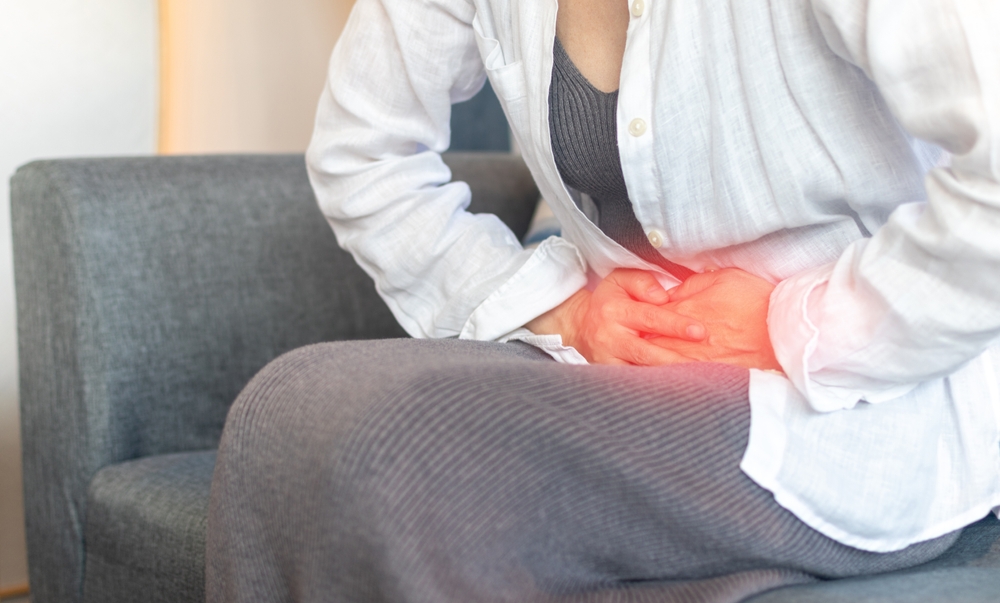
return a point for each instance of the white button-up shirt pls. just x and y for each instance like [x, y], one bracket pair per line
[800, 141]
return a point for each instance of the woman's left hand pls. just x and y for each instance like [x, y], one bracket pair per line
[732, 305]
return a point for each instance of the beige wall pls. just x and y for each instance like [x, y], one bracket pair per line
[243, 75]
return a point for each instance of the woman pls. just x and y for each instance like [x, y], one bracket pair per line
[782, 163]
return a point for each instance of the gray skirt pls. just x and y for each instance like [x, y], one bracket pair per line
[437, 471]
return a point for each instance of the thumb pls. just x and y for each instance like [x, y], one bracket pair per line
[693, 285]
[641, 286]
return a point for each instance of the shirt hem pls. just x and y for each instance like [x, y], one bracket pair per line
[761, 461]
[805, 514]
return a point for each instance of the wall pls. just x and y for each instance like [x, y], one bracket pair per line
[244, 75]
[77, 77]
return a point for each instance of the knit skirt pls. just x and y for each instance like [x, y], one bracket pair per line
[455, 471]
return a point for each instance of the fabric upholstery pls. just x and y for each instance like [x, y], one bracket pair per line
[479, 124]
[959, 585]
[968, 572]
[145, 534]
[149, 290]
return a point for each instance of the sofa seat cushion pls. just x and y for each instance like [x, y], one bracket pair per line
[968, 572]
[145, 541]
[145, 529]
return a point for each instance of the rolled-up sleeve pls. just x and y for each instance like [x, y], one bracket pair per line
[921, 297]
[374, 162]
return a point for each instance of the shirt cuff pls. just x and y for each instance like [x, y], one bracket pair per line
[550, 344]
[553, 273]
[794, 337]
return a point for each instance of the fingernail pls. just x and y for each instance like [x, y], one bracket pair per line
[696, 331]
[655, 292]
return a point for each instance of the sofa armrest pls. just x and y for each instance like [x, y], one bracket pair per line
[149, 291]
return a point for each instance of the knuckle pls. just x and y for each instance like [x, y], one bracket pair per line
[637, 353]
[658, 320]
[614, 312]
[625, 313]
[652, 320]
[603, 340]
[639, 319]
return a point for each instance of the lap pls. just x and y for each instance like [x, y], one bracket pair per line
[482, 454]
[350, 399]
[338, 380]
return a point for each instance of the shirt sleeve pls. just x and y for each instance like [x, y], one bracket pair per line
[375, 165]
[921, 297]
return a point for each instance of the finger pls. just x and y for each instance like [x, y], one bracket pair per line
[647, 318]
[640, 285]
[638, 351]
[614, 362]
[693, 285]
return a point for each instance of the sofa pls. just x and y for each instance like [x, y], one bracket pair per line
[150, 290]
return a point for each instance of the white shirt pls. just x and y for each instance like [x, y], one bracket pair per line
[777, 137]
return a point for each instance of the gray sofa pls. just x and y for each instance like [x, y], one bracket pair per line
[150, 290]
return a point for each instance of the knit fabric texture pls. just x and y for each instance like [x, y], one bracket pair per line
[451, 470]
[583, 128]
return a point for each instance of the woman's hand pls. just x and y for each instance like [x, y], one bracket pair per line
[732, 304]
[613, 324]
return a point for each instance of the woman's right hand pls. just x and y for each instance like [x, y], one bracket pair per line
[610, 324]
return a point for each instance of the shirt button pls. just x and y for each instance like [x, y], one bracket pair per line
[637, 127]
[655, 238]
[637, 7]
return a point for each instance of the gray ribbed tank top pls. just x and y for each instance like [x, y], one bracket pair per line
[584, 132]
